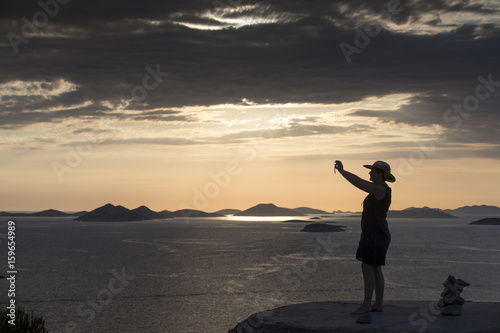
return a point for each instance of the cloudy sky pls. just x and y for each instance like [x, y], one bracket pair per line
[230, 103]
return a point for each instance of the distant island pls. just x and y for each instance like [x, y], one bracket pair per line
[269, 210]
[228, 211]
[44, 213]
[323, 227]
[426, 212]
[111, 212]
[487, 221]
[307, 210]
[474, 210]
[188, 213]
[146, 212]
[419, 213]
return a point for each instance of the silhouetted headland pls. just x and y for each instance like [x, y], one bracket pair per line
[269, 210]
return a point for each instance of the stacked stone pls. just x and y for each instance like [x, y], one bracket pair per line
[451, 303]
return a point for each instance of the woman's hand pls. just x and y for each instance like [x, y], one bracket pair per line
[339, 166]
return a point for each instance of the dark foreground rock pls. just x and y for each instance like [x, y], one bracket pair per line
[398, 316]
[451, 302]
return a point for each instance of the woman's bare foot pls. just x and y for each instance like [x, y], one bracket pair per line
[362, 310]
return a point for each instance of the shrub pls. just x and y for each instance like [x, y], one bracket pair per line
[24, 323]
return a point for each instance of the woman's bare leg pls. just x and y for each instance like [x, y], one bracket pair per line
[369, 285]
[379, 289]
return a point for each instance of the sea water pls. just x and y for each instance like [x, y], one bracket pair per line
[207, 274]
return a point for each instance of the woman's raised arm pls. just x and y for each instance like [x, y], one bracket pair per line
[376, 189]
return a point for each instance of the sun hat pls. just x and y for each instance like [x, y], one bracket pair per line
[385, 168]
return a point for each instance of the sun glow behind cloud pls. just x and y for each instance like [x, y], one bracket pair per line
[236, 17]
[224, 124]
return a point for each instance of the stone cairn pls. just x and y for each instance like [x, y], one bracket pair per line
[451, 303]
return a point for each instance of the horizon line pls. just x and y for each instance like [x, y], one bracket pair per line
[329, 212]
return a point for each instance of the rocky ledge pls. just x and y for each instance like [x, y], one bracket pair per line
[398, 316]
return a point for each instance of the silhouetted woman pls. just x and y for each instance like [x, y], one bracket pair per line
[375, 235]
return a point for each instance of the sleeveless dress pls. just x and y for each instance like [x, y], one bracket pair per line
[375, 235]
